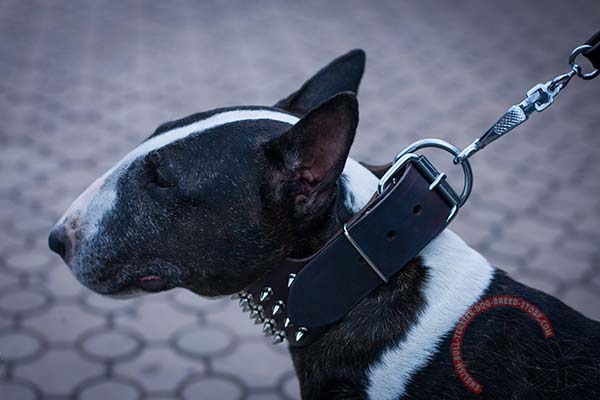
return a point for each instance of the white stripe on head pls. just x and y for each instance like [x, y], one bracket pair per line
[213, 121]
[95, 205]
[457, 277]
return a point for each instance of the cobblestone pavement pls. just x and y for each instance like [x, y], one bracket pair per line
[83, 82]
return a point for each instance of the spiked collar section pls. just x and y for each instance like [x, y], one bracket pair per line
[301, 298]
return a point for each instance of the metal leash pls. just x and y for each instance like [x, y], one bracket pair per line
[539, 97]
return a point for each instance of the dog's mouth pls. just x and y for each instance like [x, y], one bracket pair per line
[147, 283]
[152, 283]
[144, 285]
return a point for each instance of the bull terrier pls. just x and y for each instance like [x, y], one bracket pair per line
[211, 202]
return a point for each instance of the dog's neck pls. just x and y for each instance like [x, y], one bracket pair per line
[408, 316]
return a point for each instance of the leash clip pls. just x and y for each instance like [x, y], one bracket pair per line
[539, 97]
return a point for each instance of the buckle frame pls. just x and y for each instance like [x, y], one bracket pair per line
[364, 255]
[437, 181]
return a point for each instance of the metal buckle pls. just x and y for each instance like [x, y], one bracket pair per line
[436, 179]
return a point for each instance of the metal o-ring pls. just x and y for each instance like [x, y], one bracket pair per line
[576, 67]
[450, 148]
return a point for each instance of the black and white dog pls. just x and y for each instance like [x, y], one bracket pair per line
[211, 201]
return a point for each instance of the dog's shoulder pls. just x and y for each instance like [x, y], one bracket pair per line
[530, 346]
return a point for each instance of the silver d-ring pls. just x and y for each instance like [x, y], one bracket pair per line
[575, 67]
[450, 148]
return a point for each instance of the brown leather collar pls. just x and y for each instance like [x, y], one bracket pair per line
[300, 298]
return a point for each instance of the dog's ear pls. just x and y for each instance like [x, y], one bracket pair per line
[341, 75]
[307, 160]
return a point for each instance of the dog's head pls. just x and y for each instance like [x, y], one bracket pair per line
[209, 202]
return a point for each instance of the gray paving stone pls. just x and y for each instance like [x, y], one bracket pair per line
[5, 322]
[107, 344]
[63, 323]
[212, 389]
[558, 265]
[7, 281]
[160, 369]
[18, 346]
[253, 363]
[58, 371]
[20, 301]
[105, 305]
[532, 231]
[15, 391]
[155, 320]
[75, 97]
[189, 302]
[536, 281]
[110, 389]
[61, 282]
[291, 387]
[585, 299]
[204, 340]
[264, 396]
[28, 260]
[9, 240]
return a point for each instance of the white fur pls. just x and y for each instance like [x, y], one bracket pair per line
[100, 196]
[457, 277]
[361, 184]
[213, 121]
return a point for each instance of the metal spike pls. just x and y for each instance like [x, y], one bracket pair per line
[265, 294]
[268, 327]
[287, 323]
[291, 278]
[300, 333]
[278, 307]
[246, 302]
[278, 337]
[246, 299]
[259, 320]
[256, 312]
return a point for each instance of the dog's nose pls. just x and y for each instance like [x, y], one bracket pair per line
[57, 241]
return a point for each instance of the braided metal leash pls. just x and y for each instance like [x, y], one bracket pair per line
[539, 97]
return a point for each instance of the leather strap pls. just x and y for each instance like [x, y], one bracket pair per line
[391, 231]
[593, 54]
[311, 294]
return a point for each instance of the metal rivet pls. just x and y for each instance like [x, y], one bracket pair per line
[265, 294]
[291, 278]
[278, 307]
[300, 333]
